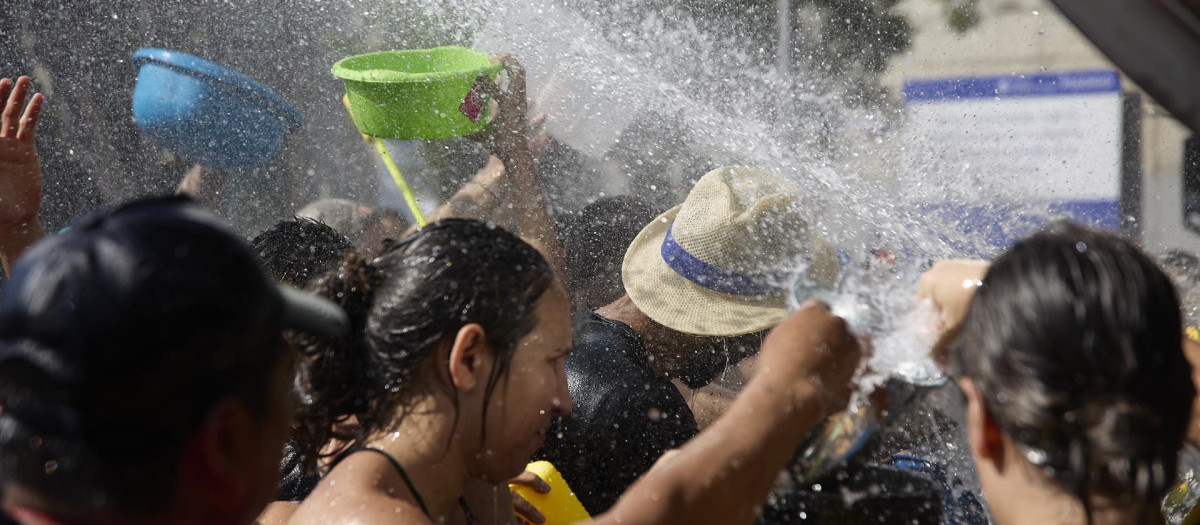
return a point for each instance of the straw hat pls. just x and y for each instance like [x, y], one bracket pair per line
[720, 263]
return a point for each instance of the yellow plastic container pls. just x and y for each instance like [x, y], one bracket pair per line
[559, 506]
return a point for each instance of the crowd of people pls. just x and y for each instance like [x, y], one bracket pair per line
[344, 366]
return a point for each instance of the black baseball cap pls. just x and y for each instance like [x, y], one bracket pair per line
[119, 336]
[147, 274]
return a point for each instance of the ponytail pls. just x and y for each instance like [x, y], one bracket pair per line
[404, 306]
[332, 377]
[1119, 451]
[1074, 342]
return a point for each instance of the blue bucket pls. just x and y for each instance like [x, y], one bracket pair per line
[208, 114]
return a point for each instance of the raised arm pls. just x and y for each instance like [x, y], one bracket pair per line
[724, 474]
[950, 284]
[478, 199]
[508, 136]
[20, 171]
[204, 185]
[488, 196]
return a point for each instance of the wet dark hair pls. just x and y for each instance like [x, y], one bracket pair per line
[1074, 343]
[116, 340]
[595, 240]
[403, 307]
[298, 250]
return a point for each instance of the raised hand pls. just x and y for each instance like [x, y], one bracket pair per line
[20, 170]
[724, 474]
[509, 137]
[813, 349]
[949, 284]
[508, 133]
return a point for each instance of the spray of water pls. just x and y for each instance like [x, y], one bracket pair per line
[881, 196]
[650, 96]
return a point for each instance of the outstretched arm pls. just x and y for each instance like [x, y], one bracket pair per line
[724, 474]
[20, 171]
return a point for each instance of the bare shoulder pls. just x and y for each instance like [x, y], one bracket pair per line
[351, 495]
[336, 507]
[277, 513]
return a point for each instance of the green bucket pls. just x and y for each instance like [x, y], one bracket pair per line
[417, 93]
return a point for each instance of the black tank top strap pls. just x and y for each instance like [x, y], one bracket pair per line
[403, 475]
[345, 453]
[471, 519]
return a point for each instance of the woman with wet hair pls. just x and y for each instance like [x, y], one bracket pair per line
[1077, 390]
[453, 370]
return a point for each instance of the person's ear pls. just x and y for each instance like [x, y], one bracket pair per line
[220, 459]
[984, 436]
[471, 358]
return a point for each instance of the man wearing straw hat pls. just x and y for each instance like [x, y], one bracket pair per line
[703, 283]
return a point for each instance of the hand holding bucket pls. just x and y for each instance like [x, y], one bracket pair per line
[417, 93]
[509, 130]
[557, 505]
[432, 94]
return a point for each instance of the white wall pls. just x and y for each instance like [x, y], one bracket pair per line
[1024, 36]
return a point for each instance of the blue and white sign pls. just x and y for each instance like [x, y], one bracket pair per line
[1051, 140]
[1010, 86]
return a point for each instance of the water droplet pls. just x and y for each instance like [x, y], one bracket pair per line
[1037, 457]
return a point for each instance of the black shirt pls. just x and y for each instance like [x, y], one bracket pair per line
[625, 415]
